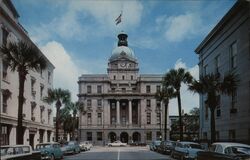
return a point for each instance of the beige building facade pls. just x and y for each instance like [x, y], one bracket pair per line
[37, 115]
[227, 49]
[121, 104]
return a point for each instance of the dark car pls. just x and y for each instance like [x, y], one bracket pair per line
[166, 147]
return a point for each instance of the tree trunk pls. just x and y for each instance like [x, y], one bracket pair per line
[212, 124]
[74, 126]
[180, 116]
[19, 129]
[166, 121]
[57, 123]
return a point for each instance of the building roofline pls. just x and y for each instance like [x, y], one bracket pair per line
[10, 5]
[227, 17]
[23, 32]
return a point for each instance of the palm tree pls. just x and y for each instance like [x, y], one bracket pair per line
[75, 108]
[174, 78]
[22, 57]
[212, 86]
[165, 95]
[59, 96]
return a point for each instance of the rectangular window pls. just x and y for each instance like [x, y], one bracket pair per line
[5, 70]
[99, 103]
[234, 99]
[89, 136]
[99, 89]
[149, 136]
[41, 73]
[232, 135]
[158, 88]
[32, 112]
[4, 137]
[147, 89]
[205, 70]
[5, 105]
[233, 55]
[41, 91]
[123, 77]
[49, 115]
[33, 92]
[89, 103]
[114, 77]
[217, 135]
[132, 77]
[89, 119]
[5, 36]
[158, 118]
[148, 103]
[41, 114]
[99, 118]
[123, 89]
[217, 64]
[148, 118]
[99, 136]
[49, 77]
[204, 135]
[158, 135]
[88, 89]
[218, 110]
[158, 104]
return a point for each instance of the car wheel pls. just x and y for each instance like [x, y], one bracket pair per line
[52, 157]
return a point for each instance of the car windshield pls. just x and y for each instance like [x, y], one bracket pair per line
[157, 142]
[196, 146]
[40, 146]
[71, 143]
[241, 150]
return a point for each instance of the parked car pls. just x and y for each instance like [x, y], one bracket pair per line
[85, 145]
[50, 150]
[116, 143]
[186, 150]
[166, 147]
[19, 152]
[153, 146]
[71, 147]
[226, 150]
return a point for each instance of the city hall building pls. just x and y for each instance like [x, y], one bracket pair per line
[121, 104]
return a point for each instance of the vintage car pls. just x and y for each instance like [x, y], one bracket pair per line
[166, 147]
[19, 152]
[71, 147]
[85, 145]
[50, 150]
[226, 151]
[186, 150]
[153, 146]
[116, 143]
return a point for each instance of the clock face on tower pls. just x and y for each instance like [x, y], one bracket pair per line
[123, 64]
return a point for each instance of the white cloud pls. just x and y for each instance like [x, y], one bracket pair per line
[180, 27]
[66, 72]
[189, 100]
[84, 19]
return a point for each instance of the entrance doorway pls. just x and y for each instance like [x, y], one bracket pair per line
[136, 137]
[112, 137]
[124, 137]
[31, 139]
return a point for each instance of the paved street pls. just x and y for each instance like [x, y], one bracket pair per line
[118, 153]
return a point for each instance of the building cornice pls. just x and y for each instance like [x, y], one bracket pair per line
[238, 6]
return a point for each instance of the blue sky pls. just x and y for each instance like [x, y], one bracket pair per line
[78, 35]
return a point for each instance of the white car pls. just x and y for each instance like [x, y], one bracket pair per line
[230, 148]
[85, 146]
[116, 143]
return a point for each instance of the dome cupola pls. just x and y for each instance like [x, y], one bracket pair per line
[122, 49]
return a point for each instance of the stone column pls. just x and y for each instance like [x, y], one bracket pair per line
[130, 111]
[117, 112]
